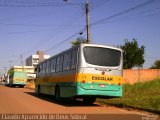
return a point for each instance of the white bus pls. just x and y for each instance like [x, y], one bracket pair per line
[87, 71]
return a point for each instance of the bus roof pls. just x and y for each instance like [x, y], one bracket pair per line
[105, 46]
[83, 44]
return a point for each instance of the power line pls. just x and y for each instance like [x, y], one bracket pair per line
[24, 32]
[9, 56]
[24, 2]
[126, 11]
[70, 20]
[31, 31]
[134, 18]
[110, 17]
[82, 30]
[94, 5]
[25, 16]
[37, 25]
[5, 5]
[141, 13]
[9, 3]
[122, 12]
[59, 31]
[93, 24]
[97, 4]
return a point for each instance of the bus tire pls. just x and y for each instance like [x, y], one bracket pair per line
[57, 94]
[21, 86]
[89, 100]
[38, 90]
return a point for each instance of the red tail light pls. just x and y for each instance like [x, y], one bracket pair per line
[83, 81]
[103, 73]
[119, 84]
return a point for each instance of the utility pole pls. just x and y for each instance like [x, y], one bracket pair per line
[22, 62]
[5, 70]
[88, 22]
[10, 63]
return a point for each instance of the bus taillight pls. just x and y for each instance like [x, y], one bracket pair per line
[119, 84]
[83, 81]
[103, 73]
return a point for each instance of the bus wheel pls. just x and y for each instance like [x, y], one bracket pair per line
[57, 94]
[38, 90]
[89, 100]
[21, 86]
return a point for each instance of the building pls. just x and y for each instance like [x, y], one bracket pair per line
[28, 69]
[33, 60]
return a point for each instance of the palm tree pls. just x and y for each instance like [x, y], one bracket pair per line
[78, 41]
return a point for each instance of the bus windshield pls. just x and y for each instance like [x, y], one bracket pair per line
[102, 56]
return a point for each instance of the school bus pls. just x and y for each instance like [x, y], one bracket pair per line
[16, 78]
[87, 71]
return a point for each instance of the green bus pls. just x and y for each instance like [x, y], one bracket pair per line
[16, 78]
[87, 71]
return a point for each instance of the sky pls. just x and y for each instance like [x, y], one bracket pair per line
[27, 26]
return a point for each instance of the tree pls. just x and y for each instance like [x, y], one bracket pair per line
[11, 72]
[156, 65]
[133, 55]
[78, 41]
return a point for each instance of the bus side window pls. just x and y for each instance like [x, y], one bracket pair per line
[67, 61]
[48, 67]
[44, 68]
[73, 59]
[59, 63]
[41, 69]
[53, 65]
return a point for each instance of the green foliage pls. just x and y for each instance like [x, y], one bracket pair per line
[143, 96]
[78, 41]
[156, 65]
[11, 72]
[133, 54]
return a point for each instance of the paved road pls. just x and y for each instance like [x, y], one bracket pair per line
[24, 101]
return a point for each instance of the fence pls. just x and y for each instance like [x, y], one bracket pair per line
[140, 75]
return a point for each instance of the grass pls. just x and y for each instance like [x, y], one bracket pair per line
[143, 96]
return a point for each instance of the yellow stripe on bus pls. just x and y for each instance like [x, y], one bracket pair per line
[79, 77]
[100, 78]
[57, 78]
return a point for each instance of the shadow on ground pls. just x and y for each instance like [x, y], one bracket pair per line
[68, 102]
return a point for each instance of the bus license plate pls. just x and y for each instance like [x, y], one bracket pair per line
[102, 85]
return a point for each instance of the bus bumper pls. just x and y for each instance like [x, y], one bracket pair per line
[99, 93]
[19, 83]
